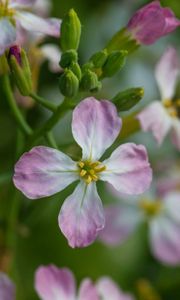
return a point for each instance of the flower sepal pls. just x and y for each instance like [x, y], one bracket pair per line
[20, 69]
[114, 63]
[69, 84]
[4, 68]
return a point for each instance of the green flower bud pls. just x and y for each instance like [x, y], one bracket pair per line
[127, 99]
[75, 68]
[68, 57]
[4, 68]
[19, 66]
[69, 84]
[70, 31]
[98, 59]
[89, 81]
[114, 63]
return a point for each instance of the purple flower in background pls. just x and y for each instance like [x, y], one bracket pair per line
[163, 217]
[151, 22]
[163, 117]
[7, 288]
[45, 171]
[16, 15]
[52, 283]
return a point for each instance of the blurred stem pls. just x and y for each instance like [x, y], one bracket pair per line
[14, 108]
[47, 104]
[62, 109]
[130, 125]
[50, 139]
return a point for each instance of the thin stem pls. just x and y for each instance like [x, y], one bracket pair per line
[62, 109]
[50, 139]
[47, 104]
[14, 108]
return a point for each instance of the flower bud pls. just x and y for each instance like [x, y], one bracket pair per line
[127, 99]
[4, 68]
[70, 31]
[68, 83]
[90, 82]
[19, 66]
[98, 59]
[68, 57]
[114, 63]
[75, 68]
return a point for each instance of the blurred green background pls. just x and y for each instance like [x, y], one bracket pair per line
[37, 239]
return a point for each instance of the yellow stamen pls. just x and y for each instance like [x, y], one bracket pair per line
[88, 179]
[88, 170]
[83, 173]
[151, 208]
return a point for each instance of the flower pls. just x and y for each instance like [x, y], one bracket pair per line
[7, 288]
[14, 15]
[152, 22]
[53, 283]
[163, 117]
[162, 216]
[44, 171]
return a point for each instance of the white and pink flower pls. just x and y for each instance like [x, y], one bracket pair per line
[52, 283]
[15, 16]
[163, 117]
[44, 171]
[7, 288]
[162, 216]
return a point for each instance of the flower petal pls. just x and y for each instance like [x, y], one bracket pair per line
[82, 216]
[172, 206]
[7, 288]
[128, 169]
[95, 126]
[21, 3]
[176, 133]
[7, 34]
[44, 171]
[167, 71]
[53, 283]
[120, 221]
[109, 290]
[165, 240]
[88, 291]
[154, 118]
[52, 54]
[34, 23]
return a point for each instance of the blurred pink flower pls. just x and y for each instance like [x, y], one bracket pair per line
[163, 217]
[45, 171]
[52, 283]
[18, 12]
[152, 22]
[7, 288]
[163, 117]
[170, 181]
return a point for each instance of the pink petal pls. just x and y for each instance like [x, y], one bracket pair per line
[165, 240]
[82, 216]
[155, 119]
[52, 54]
[42, 8]
[152, 22]
[172, 205]
[7, 34]
[34, 23]
[7, 288]
[167, 71]
[108, 290]
[21, 3]
[95, 126]
[52, 283]
[120, 222]
[44, 171]
[88, 291]
[128, 169]
[176, 133]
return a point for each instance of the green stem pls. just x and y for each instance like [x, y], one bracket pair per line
[47, 104]
[50, 139]
[62, 109]
[14, 108]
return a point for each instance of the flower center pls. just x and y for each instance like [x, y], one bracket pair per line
[173, 107]
[150, 208]
[89, 171]
[5, 11]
